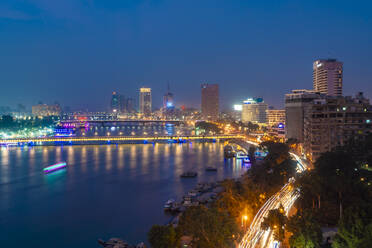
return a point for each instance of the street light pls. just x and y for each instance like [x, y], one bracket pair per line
[244, 220]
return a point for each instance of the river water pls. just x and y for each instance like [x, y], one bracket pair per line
[106, 191]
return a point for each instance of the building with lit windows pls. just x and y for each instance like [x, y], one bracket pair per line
[210, 101]
[42, 110]
[275, 117]
[334, 121]
[295, 105]
[145, 101]
[117, 104]
[327, 76]
[254, 110]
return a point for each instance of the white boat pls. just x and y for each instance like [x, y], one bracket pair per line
[241, 155]
[169, 204]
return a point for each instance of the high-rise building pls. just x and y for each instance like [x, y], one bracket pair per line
[210, 101]
[168, 109]
[168, 100]
[295, 104]
[130, 105]
[145, 101]
[334, 121]
[327, 77]
[117, 104]
[254, 110]
[275, 117]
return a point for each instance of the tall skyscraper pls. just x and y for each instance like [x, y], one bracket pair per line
[327, 77]
[145, 101]
[210, 101]
[130, 105]
[168, 102]
[117, 104]
[254, 110]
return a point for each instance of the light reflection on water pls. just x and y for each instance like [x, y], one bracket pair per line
[106, 191]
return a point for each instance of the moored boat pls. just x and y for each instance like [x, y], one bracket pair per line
[210, 168]
[189, 174]
[228, 151]
[169, 204]
[241, 155]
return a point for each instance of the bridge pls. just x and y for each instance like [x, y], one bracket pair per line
[118, 122]
[113, 139]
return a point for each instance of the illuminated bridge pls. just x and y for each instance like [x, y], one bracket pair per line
[119, 121]
[113, 139]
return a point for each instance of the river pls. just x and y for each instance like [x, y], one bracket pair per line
[106, 191]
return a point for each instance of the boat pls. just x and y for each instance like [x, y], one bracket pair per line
[228, 151]
[210, 168]
[169, 204]
[241, 155]
[55, 167]
[193, 193]
[246, 160]
[189, 174]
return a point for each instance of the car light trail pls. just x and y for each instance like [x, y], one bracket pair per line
[256, 236]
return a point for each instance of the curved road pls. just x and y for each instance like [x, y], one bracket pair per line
[257, 237]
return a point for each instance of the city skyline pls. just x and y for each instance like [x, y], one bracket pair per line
[135, 44]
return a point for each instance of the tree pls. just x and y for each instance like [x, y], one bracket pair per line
[276, 220]
[277, 152]
[355, 228]
[162, 237]
[305, 229]
[208, 228]
[338, 172]
[7, 121]
[251, 153]
[207, 127]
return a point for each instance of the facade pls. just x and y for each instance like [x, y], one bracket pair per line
[254, 110]
[210, 101]
[168, 100]
[145, 101]
[334, 121]
[275, 116]
[130, 105]
[295, 104]
[117, 103]
[327, 77]
[46, 110]
[168, 104]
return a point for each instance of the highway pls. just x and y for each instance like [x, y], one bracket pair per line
[256, 237]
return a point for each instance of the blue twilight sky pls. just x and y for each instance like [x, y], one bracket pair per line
[77, 52]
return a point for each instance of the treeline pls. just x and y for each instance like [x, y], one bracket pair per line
[8, 123]
[336, 193]
[220, 224]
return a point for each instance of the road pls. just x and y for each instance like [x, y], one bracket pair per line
[257, 237]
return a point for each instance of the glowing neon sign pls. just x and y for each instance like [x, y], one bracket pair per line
[54, 167]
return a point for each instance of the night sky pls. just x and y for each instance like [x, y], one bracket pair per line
[78, 52]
